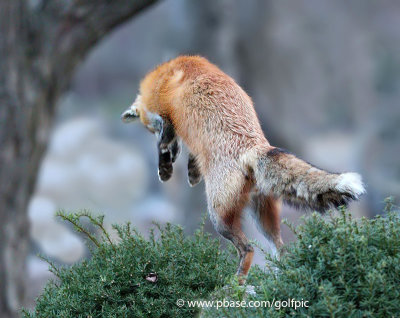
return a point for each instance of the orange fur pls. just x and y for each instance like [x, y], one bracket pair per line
[210, 112]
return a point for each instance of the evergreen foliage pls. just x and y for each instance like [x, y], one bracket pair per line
[343, 267]
[112, 283]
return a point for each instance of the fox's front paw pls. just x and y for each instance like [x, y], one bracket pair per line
[165, 172]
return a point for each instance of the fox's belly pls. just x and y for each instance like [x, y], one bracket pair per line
[219, 148]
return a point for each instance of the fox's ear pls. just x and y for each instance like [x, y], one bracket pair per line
[130, 114]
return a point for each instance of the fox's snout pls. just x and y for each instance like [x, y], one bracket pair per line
[130, 114]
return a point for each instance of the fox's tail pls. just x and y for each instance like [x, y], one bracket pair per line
[300, 184]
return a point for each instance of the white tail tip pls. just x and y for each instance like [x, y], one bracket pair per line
[351, 183]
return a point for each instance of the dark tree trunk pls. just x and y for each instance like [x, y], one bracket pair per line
[40, 47]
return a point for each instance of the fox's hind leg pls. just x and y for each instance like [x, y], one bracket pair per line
[267, 213]
[225, 204]
[227, 222]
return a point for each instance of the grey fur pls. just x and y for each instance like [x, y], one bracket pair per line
[300, 184]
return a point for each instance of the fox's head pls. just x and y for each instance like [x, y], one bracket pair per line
[151, 121]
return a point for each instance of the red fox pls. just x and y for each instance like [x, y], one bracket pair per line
[191, 99]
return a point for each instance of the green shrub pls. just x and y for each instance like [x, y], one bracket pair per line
[112, 283]
[342, 266]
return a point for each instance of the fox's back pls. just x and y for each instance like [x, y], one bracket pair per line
[210, 112]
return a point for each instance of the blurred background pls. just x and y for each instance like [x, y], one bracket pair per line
[324, 77]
